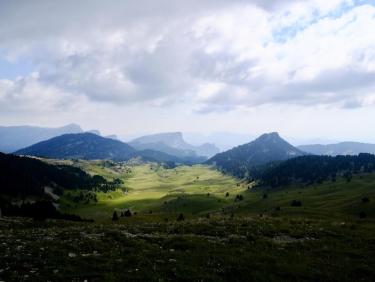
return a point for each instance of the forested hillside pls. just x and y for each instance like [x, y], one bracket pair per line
[22, 176]
[316, 169]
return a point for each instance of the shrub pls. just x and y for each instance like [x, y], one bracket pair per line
[115, 216]
[265, 196]
[296, 203]
[239, 198]
[362, 214]
[180, 217]
[365, 200]
[127, 213]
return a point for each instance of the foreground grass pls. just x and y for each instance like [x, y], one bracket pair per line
[146, 248]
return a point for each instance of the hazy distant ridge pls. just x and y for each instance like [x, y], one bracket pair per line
[13, 138]
[343, 148]
[173, 143]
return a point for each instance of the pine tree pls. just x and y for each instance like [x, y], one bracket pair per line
[114, 216]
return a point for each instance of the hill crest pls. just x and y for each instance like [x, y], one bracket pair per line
[269, 147]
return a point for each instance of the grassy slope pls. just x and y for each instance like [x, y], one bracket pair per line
[152, 188]
[327, 200]
[184, 189]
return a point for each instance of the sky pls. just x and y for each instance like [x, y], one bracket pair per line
[209, 68]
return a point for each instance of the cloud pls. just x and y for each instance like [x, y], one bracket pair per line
[212, 56]
[329, 62]
[30, 95]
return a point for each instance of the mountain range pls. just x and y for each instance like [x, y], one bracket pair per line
[162, 147]
[265, 149]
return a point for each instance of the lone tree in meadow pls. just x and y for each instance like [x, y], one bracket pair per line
[365, 200]
[127, 213]
[296, 203]
[238, 198]
[114, 216]
[362, 214]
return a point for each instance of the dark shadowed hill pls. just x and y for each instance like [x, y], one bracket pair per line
[267, 148]
[87, 146]
[23, 176]
[344, 148]
[91, 146]
[13, 138]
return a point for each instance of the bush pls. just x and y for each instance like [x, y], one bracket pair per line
[362, 214]
[127, 213]
[239, 198]
[365, 200]
[296, 203]
[180, 217]
[115, 216]
[265, 196]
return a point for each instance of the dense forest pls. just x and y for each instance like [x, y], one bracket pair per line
[315, 169]
[23, 177]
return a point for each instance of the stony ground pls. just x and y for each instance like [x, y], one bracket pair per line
[201, 249]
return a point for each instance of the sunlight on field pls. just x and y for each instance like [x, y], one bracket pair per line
[151, 188]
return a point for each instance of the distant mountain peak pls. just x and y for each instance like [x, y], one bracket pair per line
[73, 127]
[272, 136]
[173, 143]
[94, 131]
[267, 148]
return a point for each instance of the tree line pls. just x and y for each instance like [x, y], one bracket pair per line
[315, 169]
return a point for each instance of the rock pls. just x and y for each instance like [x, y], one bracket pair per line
[172, 260]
